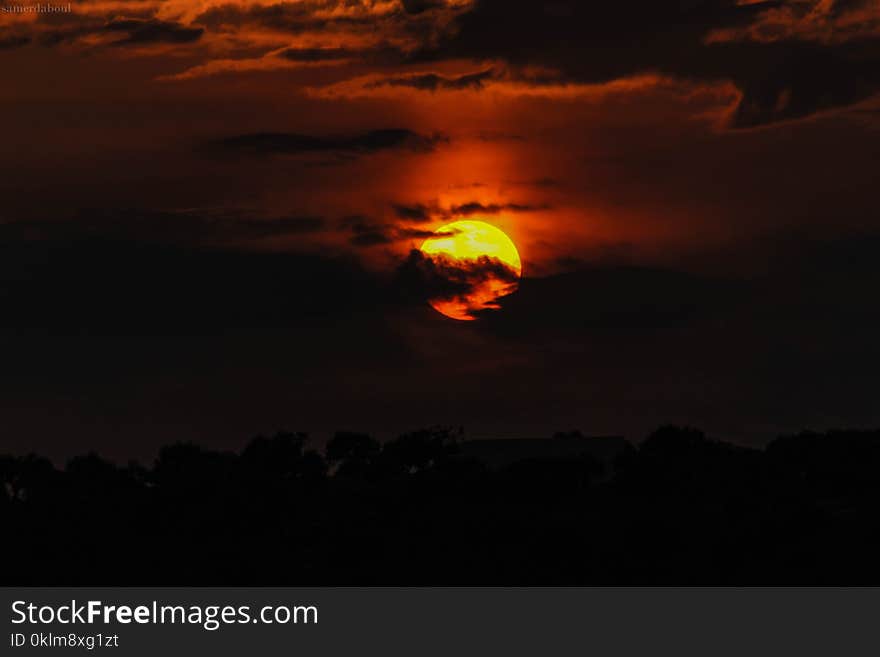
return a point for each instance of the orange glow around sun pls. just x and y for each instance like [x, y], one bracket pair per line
[481, 259]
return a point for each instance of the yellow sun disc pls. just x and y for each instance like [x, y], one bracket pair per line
[481, 259]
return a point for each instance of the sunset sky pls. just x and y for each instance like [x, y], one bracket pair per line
[209, 208]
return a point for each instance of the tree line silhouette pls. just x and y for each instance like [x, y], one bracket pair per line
[678, 509]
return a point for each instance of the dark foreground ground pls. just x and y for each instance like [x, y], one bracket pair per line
[680, 509]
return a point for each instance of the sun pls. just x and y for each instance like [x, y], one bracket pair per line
[478, 263]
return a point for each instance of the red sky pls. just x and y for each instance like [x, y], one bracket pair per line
[707, 137]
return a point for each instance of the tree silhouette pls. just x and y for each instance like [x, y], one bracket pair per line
[680, 508]
[352, 454]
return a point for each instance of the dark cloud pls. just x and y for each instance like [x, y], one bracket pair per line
[614, 299]
[418, 233]
[295, 18]
[586, 42]
[10, 42]
[443, 278]
[64, 35]
[424, 212]
[193, 228]
[790, 80]
[415, 20]
[140, 31]
[316, 54]
[417, 212]
[365, 232]
[133, 31]
[590, 42]
[283, 143]
[370, 236]
[420, 6]
[433, 81]
[467, 209]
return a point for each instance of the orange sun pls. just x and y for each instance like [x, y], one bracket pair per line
[480, 263]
